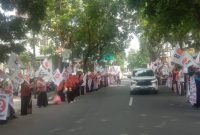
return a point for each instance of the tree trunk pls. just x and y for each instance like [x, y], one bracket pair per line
[85, 66]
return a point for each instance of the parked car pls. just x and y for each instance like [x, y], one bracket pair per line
[127, 74]
[143, 80]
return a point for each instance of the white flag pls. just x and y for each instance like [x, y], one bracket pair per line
[17, 77]
[57, 77]
[46, 64]
[14, 62]
[187, 60]
[177, 55]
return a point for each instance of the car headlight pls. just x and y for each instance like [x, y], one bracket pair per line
[154, 81]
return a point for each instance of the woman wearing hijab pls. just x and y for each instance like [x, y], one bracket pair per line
[25, 97]
[42, 93]
[69, 85]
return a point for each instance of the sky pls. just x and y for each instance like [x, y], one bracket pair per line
[134, 44]
[7, 13]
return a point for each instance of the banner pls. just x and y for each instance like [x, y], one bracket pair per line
[177, 55]
[17, 77]
[192, 91]
[45, 64]
[187, 60]
[4, 99]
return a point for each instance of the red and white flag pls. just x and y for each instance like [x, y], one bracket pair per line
[57, 77]
[17, 77]
[65, 74]
[187, 60]
[177, 55]
[45, 64]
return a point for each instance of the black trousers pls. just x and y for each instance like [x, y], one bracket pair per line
[77, 90]
[24, 105]
[197, 105]
[82, 90]
[92, 86]
[87, 88]
[62, 95]
[42, 99]
[70, 96]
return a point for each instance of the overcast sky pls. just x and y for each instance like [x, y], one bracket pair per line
[134, 44]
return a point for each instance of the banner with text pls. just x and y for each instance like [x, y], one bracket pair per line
[4, 99]
[177, 55]
[187, 60]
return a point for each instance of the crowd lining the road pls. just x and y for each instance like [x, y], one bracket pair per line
[69, 88]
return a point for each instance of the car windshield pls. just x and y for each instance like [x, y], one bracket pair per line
[142, 72]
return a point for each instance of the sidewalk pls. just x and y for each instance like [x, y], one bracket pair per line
[17, 102]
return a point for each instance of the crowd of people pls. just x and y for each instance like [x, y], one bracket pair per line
[186, 82]
[72, 86]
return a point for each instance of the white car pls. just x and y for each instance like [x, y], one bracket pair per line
[143, 80]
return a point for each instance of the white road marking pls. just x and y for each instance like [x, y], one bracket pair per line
[131, 101]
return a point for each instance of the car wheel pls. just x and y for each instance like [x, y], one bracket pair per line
[132, 92]
[155, 92]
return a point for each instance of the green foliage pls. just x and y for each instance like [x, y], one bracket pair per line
[161, 21]
[97, 26]
[47, 49]
[26, 58]
[28, 15]
[137, 59]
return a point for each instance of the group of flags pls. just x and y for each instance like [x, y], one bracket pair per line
[17, 76]
[183, 58]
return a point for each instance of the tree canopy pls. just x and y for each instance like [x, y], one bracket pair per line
[26, 15]
[137, 59]
[94, 28]
[161, 21]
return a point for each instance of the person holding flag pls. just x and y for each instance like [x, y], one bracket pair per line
[82, 81]
[26, 102]
[42, 92]
[7, 88]
[76, 85]
[69, 85]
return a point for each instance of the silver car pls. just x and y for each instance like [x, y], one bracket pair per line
[143, 80]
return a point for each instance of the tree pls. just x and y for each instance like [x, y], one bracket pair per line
[28, 15]
[26, 58]
[93, 26]
[176, 22]
[137, 59]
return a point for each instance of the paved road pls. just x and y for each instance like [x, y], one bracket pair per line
[111, 111]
